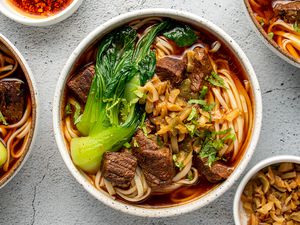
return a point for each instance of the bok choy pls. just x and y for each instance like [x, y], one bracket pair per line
[112, 115]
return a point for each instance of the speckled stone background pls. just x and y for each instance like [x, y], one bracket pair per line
[44, 192]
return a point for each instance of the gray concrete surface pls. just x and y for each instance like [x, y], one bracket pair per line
[44, 192]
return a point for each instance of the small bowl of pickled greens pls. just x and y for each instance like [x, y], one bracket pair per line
[270, 193]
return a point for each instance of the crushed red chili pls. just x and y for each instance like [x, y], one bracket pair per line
[42, 7]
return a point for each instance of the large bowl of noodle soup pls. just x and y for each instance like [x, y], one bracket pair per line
[183, 186]
[18, 106]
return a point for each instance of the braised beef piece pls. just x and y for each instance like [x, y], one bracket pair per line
[172, 69]
[81, 83]
[155, 161]
[200, 67]
[12, 99]
[214, 173]
[119, 168]
[288, 10]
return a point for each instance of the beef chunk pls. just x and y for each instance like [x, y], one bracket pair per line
[288, 10]
[145, 143]
[12, 99]
[119, 168]
[80, 84]
[156, 162]
[171, 69]
[199, 66]
[214, 173]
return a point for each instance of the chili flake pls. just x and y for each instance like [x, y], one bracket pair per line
[42, 7]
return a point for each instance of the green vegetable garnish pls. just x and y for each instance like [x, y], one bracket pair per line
[77, 115]
[146, 67]
[191, 128]
[177, 163]
[214, 133]
[197, 101]
[140, 95]
[190, 176]
[159, 141]
[296, 27]
[2, 119]
[271, 35]
[182, 35]
[216, 80]
[205, 106]
[111, 114]
[143, 125]
[211, 145]
[127, 145]
[230, 136]
[192, 115]
[209, 107]
[262, 23]
[203, 92]
[135, 143]
[3, 154]
[210, 151]
[68, 109]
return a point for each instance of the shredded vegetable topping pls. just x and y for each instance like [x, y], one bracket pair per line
[273, 196]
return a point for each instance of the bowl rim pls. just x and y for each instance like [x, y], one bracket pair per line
[259, 166]
[107, 27]
[56, 18]
[35, 108]
[270, 43]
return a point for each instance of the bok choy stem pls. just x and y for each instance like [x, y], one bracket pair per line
[112, 115]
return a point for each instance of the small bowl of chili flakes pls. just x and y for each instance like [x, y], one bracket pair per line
[39, 12]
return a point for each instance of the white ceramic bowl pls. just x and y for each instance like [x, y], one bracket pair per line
[240, 216]
[18, 16]
[35, 113]
[96, 35]
[270, 43]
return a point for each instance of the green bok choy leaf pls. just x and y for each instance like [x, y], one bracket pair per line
[112, 115]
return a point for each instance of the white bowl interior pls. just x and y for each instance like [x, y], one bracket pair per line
[196, 21]
[17, 15]
[34, 94]
[240, 216]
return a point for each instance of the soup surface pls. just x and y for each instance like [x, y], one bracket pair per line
[157, 113]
